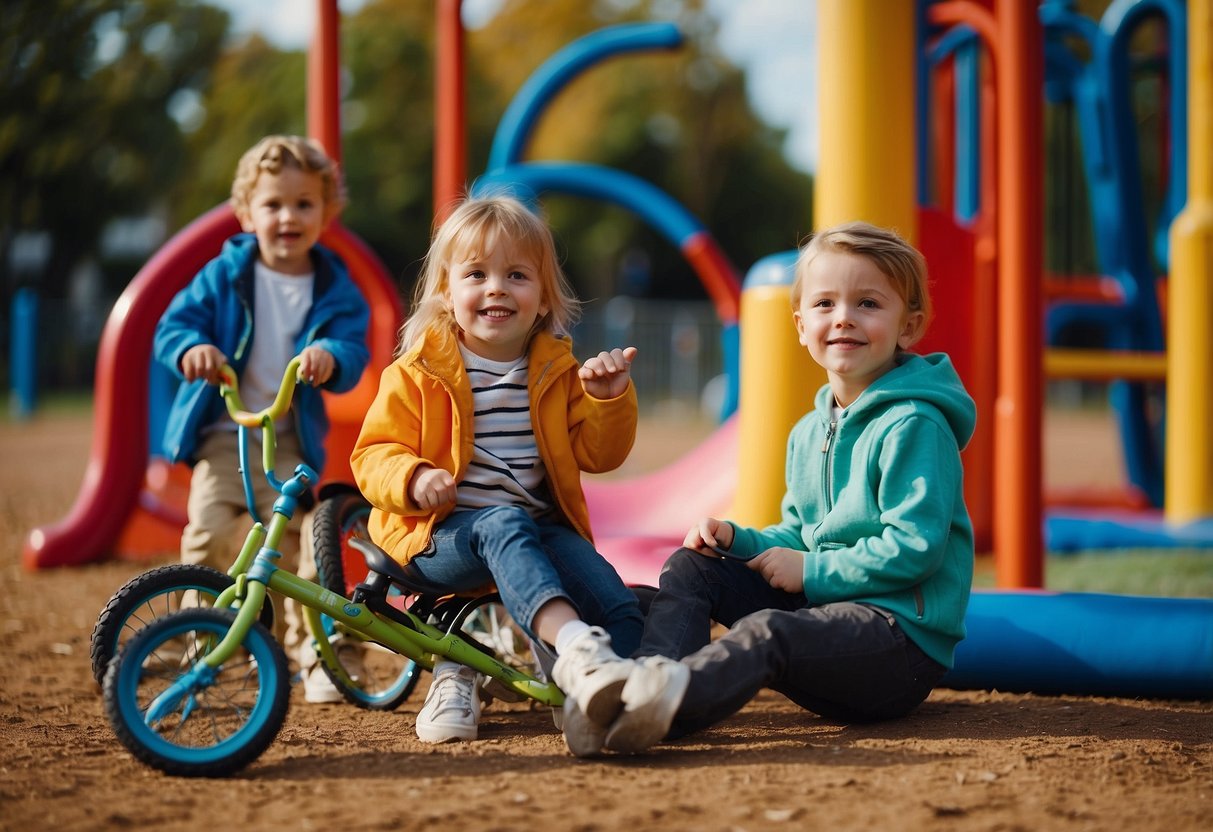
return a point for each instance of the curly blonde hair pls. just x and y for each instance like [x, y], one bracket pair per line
[272, 154]
[475, 225]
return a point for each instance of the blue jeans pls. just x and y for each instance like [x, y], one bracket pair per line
[531, 562]
[847, 662]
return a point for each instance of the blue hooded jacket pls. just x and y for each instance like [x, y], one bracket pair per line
[217, 308]
[875, 499]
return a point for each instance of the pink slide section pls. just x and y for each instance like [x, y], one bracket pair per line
[638, 522]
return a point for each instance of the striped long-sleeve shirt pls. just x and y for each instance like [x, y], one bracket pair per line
[506, 468]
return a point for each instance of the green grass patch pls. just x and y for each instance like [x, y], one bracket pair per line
[1174, 573]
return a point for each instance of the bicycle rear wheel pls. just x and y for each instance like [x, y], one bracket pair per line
[153, 595]
[377, 678]
[182, 723]
[488, 622]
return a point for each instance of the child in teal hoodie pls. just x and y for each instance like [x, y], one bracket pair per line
[853, 603]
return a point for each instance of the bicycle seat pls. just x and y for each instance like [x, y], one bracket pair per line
[450, 609]
[380, 561]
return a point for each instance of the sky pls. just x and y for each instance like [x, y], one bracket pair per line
[774, 40]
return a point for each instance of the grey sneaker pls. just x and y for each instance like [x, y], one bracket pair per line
[582, 735]
[545, 660]
[651, 698]
[452, 707]
[592, 677]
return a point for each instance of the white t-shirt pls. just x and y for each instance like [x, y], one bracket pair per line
[280, 306]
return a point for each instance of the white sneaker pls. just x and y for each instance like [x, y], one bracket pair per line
[318, 688]
[452, 707]
[592, 678]
[651, 698]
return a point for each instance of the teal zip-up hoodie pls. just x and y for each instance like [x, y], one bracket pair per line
[875, 500]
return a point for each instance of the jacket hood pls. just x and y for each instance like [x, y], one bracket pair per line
[924, 378]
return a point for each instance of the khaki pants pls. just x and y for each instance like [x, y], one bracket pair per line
[219, 522]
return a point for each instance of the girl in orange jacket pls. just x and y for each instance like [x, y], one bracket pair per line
[472, 456]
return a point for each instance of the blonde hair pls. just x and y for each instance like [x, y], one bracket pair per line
[272, 154]
[899, 261]
[475, 225]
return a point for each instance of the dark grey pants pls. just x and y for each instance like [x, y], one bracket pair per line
[847, 662]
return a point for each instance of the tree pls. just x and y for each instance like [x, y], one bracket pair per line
[87, 89]
[388, 51]
[256, 90]
[680, 120]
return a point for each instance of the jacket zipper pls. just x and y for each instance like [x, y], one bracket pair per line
[247, 334]
[826, 472]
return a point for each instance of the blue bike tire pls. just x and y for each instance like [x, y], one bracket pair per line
[341, 568]
[149, 596]
[259, 722]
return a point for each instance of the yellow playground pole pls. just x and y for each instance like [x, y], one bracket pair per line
[865, 90]
[1189, 449]
[778, 380]
[865, 83]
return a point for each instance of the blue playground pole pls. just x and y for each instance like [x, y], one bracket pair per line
[23, 353]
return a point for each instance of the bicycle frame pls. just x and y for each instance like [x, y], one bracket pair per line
[421, 642]
[256, 571]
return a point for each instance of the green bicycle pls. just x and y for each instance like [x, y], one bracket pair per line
[203, 691]
[382, 682]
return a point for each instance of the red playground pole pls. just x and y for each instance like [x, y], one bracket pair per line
[323, 90]
[1018, 513]
[450, 152]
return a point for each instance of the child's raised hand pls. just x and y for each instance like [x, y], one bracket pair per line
[781, 568]
[203, 362]
[606, 375]
[316, 365]
[707, 533]
[432, 487]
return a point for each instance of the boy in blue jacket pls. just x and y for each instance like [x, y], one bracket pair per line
[853, 603]
[271, 294]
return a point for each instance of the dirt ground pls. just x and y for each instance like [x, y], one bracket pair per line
[964, 761]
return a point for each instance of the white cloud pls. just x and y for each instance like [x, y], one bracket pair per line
[285, 23]
[776, 42]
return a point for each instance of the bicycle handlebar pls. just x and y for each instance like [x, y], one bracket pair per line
[229, 388]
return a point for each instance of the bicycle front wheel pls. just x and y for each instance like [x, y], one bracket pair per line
[370, 676]
[175, 715]
[153, 595]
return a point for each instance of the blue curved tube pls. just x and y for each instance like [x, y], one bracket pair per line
[528, 179]
[518, 121]
[1120, 21]
[1087, 644]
